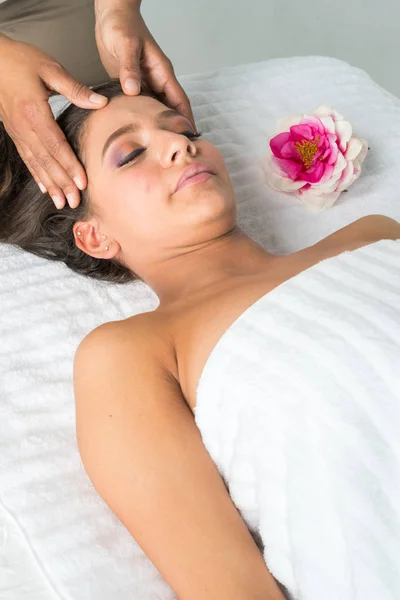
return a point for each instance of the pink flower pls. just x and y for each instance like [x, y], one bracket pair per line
[315, 157]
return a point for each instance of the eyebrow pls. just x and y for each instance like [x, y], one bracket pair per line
[134, 127]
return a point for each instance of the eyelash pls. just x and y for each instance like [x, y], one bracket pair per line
[132, 155]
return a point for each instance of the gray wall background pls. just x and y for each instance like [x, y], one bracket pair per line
[201, 35]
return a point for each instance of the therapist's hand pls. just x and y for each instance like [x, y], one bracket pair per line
[128, 51]
[28, 77]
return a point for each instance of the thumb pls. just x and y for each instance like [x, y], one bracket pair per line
[128, 53]
[78, 93]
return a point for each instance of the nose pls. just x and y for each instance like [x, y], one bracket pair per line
[175, 148]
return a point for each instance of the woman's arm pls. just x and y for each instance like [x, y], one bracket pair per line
[144, 455]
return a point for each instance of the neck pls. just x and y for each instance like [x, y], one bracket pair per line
[207, 268]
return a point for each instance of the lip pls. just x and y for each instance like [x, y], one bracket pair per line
[191, 171]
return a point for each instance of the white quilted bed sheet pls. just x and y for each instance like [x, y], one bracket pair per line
[58, 539]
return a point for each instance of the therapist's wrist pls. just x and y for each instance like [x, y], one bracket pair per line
[101, 6]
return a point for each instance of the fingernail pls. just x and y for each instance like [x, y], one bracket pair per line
[58, 201]
[42, 188]
[71, 200]
[79, 183]
[132, 85]
[97, 98]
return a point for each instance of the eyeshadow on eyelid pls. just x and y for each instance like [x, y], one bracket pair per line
[117, 156]
[119, 153]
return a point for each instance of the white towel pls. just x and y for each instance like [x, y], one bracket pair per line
[81, 548]
[299, 407]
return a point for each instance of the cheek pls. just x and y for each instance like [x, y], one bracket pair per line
[141, 183]
[131, 191]
[136, 197]
[215, 158]
[137, 183]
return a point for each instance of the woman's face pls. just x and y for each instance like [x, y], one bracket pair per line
[136, 203]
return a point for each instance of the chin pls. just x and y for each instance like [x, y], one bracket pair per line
[211, 207]
[218, 218]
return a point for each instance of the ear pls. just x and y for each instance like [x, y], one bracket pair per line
[92, 241]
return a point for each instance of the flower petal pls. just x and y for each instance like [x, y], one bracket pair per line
[288, 168]
[329, 185]
[326, 188]
[302, 132]
[332, 137]
[333, 155]
[328, 124]
[278, 141]
[315, 121]
[328, 111]
[327, 173]
[344, 131]
[317, 202]
[340, 164]
[346, 178]
[283, 184]
[289, 150]
[278, 180]
[364, 151]
[354, 148]
[314, 174]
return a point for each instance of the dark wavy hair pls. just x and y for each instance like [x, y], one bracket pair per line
[30, 220]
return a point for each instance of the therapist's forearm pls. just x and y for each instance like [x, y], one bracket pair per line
[3, 37]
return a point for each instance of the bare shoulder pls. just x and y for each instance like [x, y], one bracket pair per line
[372, 228]
[124, 354]
[137, 331]
[363, 231]
[142, 335]
[378, 226]
[131, 353]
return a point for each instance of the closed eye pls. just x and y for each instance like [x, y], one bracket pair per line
[132, 155]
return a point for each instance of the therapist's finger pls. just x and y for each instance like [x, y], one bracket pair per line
[163, 81]
[177, 99]
[128, 51]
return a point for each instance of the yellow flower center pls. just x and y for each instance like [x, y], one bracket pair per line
[307, 150]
